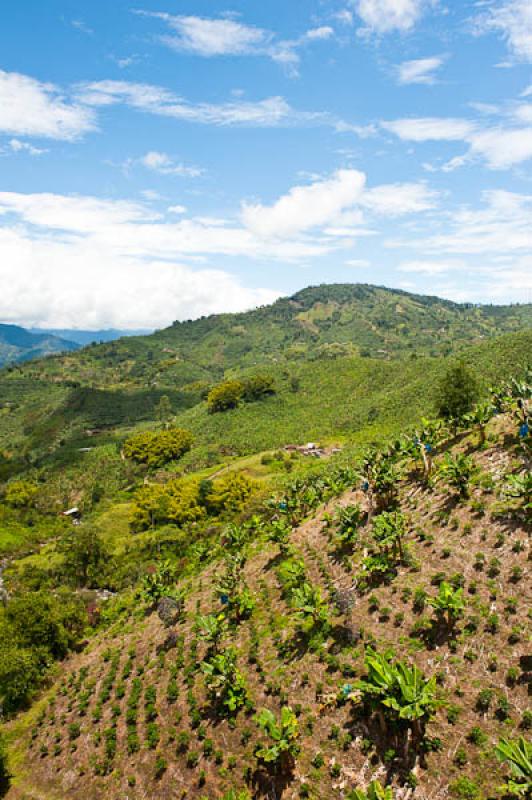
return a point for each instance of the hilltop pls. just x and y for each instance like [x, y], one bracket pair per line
[319, 322]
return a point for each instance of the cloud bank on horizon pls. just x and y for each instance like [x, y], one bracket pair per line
[163, 166]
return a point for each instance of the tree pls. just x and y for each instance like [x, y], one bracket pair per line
[225, 396]
[85, 555]
[456, 393]
[51, 624]
[20, 673]
[163, 410]
[283, 750]
[517, 753]
[21, 494]
[258, 386]
[156, 448]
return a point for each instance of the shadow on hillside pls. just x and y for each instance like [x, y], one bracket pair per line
[270, 785]
[4, 786]
[389, 743]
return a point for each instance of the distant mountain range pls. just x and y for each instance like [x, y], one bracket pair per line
[17, 344]
[89, 337]
[20, 344]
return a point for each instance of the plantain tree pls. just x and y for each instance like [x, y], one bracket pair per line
[457, 471]
[389, 530]
[348, 521]
[310, 604]
[449, 604]
[281, 751]
[225, 682]
[212, 628]
[375, 791]
[517, 753]
[399, 694]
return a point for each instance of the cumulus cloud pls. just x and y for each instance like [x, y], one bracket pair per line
[305, 207]
[396, 199]
[419, 70]
[383, 16]
[31, 108]
[512, 19]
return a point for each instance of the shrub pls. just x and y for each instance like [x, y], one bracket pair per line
[465, 789]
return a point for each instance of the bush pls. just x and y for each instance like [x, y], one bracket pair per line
[225, 396]
[20, 494]
[4, 771]
[156, 448]
[457, 392]
[465, 789]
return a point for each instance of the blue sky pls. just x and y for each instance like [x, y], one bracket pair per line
[163, 160]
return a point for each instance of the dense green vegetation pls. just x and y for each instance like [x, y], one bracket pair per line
[221, 616]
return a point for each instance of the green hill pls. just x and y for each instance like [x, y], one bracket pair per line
[319, 322]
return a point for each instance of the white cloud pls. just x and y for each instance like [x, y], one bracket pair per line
[513, 20]
[424, 129]
[165, 165]
[345, 16]
[213, 37]
[501, 147]
[31, 108]
[358, 263]
[271, 112]
[396, 199]
[50, 283]
[305, 207]
[226, 36]
[383, 16]
[419, 70]
[16, 146]
[177, 209]
[431, 267]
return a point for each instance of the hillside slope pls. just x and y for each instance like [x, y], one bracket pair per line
[138, 714]
[323, 321]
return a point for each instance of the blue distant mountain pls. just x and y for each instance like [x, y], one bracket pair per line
[88, 337]
[18, 344]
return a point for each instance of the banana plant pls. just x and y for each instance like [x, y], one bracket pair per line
[279, 533]
[234, 537]
[479, 417]
[311, 605]
[225, 682]
[399, 692]
[159, 583]
[517, 753]
[379, 480]
[212, 628]
[375, 791]
[457, 471]
[449, 604]
[283, 749]
[520, 487]
[348, 521]
[291, 574]
[389, 530]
